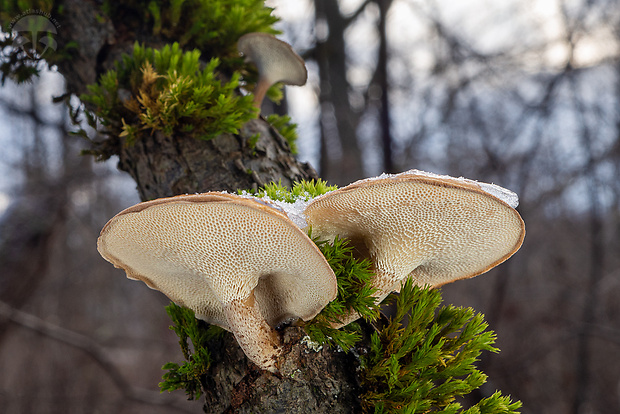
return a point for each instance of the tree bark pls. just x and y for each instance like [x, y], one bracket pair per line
[165, 166]
[308, 381]
[162, 166]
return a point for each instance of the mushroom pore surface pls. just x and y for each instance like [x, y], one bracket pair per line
[207, 250]
[435, 231]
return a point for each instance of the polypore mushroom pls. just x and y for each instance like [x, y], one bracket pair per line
[234, 261]
[434, 229]
[275, 60]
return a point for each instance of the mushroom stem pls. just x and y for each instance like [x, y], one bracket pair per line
[258, 340]
[275, 60]
[259, 92]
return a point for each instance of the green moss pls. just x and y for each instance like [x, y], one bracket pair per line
[212, 26]
[167, 90]
[353, 275]
[355, 294]
[253, 140]
[197, 357]
[424, 359]
[304, 189]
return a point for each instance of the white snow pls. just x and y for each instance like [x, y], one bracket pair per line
[315, 346]
[507, 196]
[294, 211]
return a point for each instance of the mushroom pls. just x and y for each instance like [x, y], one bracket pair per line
[276, 62]
[236, 262]
[434, 229]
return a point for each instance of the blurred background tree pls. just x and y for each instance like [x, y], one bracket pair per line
[524, 94]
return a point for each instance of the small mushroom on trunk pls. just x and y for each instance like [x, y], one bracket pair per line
[275, 60]
[236, 262]
[434, 229]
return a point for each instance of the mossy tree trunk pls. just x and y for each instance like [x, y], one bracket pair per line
[165, 166]
[161, 165]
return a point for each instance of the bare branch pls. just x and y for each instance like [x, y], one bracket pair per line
[92, 349]
[350, 19]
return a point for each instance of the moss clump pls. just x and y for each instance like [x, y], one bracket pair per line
[165, 90]
[353, 275]
[355, 294]
[424, 359]
[197, 362]
[421, 361]
[212, 26]
[304, 190]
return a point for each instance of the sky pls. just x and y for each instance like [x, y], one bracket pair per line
[17, 131]
[533, 25]
[532, 29]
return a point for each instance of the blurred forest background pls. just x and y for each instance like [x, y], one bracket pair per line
[524, 94]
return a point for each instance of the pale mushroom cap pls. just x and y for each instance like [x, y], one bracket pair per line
[208, 249]
[275, 59]
[433, 230]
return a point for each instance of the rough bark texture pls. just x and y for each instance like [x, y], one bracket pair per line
[309, 381]
[164, 166]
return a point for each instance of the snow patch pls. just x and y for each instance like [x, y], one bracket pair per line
[507, 196]
[315, 346]
[294, 211]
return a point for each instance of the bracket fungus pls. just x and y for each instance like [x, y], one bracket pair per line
[434, 229]
[236, 262]
[275, 60]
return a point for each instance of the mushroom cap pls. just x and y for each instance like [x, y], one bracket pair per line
[276, 60]
[205, 250]
[435, 229]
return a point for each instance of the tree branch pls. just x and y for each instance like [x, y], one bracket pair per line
[92, 349]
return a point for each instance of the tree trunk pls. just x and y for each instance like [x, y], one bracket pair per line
[383, 81]
[165, 166]
[339, 126]
[308, 381]
[162, 166]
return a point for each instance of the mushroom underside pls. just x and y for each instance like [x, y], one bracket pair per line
[279, 303]
[432, 231]
[222, 254]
